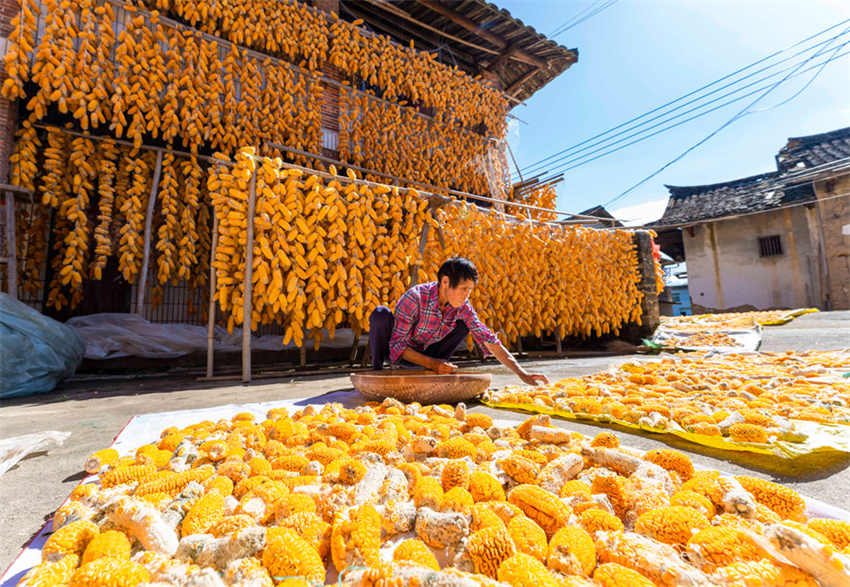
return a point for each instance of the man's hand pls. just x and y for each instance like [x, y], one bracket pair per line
[533, 378]
[444, 367]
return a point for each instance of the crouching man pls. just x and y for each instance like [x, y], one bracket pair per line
[432, 320]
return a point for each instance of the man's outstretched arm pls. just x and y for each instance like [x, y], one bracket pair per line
[507, 359]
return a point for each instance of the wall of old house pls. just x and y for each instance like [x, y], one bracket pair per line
[833, 220]
[726, 273]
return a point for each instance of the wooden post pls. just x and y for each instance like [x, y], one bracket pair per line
[302, 355]
[143, 278]
[11, 247]
[249, 273]
[558, 348]
[211, 317]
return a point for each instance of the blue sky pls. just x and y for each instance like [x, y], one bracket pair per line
[637, 55]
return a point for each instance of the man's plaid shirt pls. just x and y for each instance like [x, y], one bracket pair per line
[420, 322]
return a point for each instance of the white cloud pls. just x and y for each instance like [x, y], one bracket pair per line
[640, 213]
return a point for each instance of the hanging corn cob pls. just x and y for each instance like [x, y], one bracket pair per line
[169, 229]
[133, 211]
[106, 169]
[20, 45]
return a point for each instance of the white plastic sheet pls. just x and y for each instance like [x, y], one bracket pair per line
[145, 428]
[14, 449]
[746, 340]
[110, 336]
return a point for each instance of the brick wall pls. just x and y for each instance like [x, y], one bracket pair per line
[9, 11]
[834, 217]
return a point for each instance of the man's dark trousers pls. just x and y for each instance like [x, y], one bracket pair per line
[381, 323]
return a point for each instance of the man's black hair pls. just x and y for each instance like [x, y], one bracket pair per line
[457, 269]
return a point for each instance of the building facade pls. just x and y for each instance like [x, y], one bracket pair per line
[776, 240]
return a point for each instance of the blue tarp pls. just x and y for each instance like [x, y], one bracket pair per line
[36, 352]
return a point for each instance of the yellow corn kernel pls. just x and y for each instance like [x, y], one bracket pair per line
[786, 502]
[127, 474]
[49, 574]
[106, 457]
[286, 554]
[836, 531]
[673, 524]
[528, 537]
[485, 487]
[455, 474]
[203, 514]
[428, 493]
[595, 520]
[109, 572]
[572, 552]
[616, 575]
[70, 539]
[671, 460]
[522, 570]
[718, 546]
[416, 552]
[111, 543]
[488, 548]
[542, 506]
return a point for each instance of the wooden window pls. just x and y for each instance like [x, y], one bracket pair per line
[770, 246]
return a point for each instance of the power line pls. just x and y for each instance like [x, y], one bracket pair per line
[698, 90]
[564, 29]
[574, 18]
[603, 151]
[666, 116]
[712, 134]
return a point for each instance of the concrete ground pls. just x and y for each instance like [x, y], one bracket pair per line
[95, 410]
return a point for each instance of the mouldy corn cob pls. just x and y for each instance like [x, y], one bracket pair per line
[356, 537]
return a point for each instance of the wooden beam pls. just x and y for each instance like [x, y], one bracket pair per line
[473, 27]
[517, 85]
[387, 22]
[502, 59]
[402, 14]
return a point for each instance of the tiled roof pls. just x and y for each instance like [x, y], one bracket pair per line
[757, 193]
[741, 196]
[814, 150]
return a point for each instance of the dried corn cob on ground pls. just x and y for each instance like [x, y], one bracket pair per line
[759, 400]
[617, 515]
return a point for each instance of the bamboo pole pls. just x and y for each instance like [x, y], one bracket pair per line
[211, 317]
[11, 247]
[249, 271]
[143, 278]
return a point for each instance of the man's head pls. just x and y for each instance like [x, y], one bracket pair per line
[457, 278]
